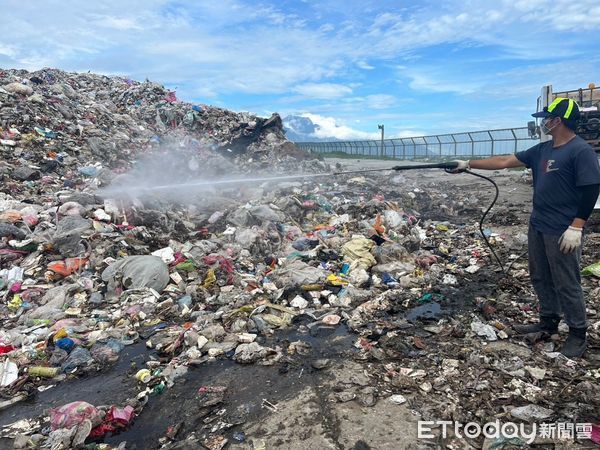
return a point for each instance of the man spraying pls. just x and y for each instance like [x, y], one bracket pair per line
[566, 183]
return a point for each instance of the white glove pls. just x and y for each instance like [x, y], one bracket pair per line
[570, 239]
[462, 166]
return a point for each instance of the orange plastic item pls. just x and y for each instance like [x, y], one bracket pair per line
[11, 216]
[323, 226]
[67, 266]
[378, 227]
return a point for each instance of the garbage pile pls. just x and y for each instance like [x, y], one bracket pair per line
[395, 264]
[55, 121]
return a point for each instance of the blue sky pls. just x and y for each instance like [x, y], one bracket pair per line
[419, 67]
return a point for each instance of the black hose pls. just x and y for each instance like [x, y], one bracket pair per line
[515, 260]
[485, 215]
[449, 167]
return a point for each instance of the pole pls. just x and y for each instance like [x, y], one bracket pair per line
[382, 147]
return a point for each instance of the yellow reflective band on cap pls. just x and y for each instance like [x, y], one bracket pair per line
[555, 103]
[569, 109]
[559, 100]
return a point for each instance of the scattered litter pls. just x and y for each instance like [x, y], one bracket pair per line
[107, 248]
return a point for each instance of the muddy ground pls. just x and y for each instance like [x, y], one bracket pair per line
[293, 404]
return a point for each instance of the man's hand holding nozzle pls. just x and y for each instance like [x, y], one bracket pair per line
[462, 166]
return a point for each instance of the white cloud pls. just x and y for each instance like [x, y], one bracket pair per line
[237, 46]
[322, 90]
[380, 101]
[373, 101]
[328, 127]
[364, 65]
[511, 83]
[118, 23]
[424, 80]
[514, 25]
[8, 50]
[395, 134]
[226, 47]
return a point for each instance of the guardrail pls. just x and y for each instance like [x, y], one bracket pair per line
[474, 144]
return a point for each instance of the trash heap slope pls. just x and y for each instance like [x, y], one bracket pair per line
[105, 119]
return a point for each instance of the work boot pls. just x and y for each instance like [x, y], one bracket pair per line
[545, 325]
[575, 344]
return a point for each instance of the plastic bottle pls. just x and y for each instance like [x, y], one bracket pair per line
[44, 372]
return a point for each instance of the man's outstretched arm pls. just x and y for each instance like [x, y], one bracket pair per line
[493, 163]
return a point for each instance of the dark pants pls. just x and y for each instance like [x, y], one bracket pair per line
[556, 278]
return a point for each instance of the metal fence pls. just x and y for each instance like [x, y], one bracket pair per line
[469, 144]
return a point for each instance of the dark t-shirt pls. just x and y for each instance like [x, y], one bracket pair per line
[557, 173]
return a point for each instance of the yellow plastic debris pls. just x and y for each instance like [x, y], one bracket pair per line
[336, 281]
[15, 303]
[210, 279]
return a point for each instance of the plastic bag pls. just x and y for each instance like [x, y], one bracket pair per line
[10, 216]
[120, 416]
[9, 372]
[137, 272]
[393, 219]
[79, 357]
[303, 244]
[358, 250]
[593, 269]
[296, 273]
[68, 266]
[6, 229]
[389, 252]
[72, 414]
[107, 353]
[115, 418]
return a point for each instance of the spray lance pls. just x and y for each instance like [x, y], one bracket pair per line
[448, 166]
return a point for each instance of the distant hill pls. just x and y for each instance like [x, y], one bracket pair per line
[301, 129]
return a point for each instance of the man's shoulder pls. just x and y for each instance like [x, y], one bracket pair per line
[542, 148]
[534, 148]
[578, 144]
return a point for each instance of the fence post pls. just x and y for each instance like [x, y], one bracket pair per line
[515, 136]
[472, 145]
[491, 139]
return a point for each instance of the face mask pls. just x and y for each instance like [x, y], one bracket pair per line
[544, 125]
